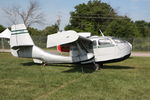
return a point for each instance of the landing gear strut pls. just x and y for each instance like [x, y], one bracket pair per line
[97, 66]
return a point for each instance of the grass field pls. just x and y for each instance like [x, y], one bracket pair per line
[20, 79]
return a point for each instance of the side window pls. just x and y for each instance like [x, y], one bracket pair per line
[118, 40]
[105, 43]
[94, 44]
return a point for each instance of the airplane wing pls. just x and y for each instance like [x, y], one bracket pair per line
[65, 37]
[80, 47]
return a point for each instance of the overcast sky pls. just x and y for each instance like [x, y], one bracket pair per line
[135, 9]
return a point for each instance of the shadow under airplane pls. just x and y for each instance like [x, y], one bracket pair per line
[81, 68]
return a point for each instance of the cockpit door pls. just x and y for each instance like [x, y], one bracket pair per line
[105, 50]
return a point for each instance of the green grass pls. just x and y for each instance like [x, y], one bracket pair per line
[20, 79]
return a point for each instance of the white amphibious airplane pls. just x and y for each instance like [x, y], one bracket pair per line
[82, 47]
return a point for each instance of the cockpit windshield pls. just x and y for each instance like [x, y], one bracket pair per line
[104, 41]
[116, 40]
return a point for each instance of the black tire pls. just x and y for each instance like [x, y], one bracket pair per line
[100, 66]
[96, 67]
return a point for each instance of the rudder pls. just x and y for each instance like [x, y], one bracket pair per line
[20, 36]
[20, 41]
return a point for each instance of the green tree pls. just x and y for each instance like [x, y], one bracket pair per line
[34, 31]
[2, 28]
[97, 15]
[91, 17]
[122, 28]
[143, 28]
[48, 30]
[51, 29]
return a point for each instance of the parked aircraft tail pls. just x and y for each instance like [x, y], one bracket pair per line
[22, 46]
[19, 39]
[20, 36]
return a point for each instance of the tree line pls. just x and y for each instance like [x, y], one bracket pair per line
[34, 31]
[89, 17]
[96, 15]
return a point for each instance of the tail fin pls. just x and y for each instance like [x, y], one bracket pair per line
[20, 41]
[20, 36]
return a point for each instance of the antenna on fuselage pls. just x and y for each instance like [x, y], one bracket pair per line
[101, 33]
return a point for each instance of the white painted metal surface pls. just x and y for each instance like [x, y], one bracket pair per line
[85, 34]
[109, 48]
[61, 38]
[82, 50]
[20, 36]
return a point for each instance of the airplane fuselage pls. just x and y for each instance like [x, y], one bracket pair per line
[83, 47]
[110, 49]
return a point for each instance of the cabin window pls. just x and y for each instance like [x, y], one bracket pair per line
[105, 43]
[94, 44]
[118, 40]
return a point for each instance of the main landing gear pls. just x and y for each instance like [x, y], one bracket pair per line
[97, 66]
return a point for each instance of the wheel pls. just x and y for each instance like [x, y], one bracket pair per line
[44, 64]
[100, 66]
[96, 67]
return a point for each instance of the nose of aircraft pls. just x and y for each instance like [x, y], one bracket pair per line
[124, 48]
[130, 45]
